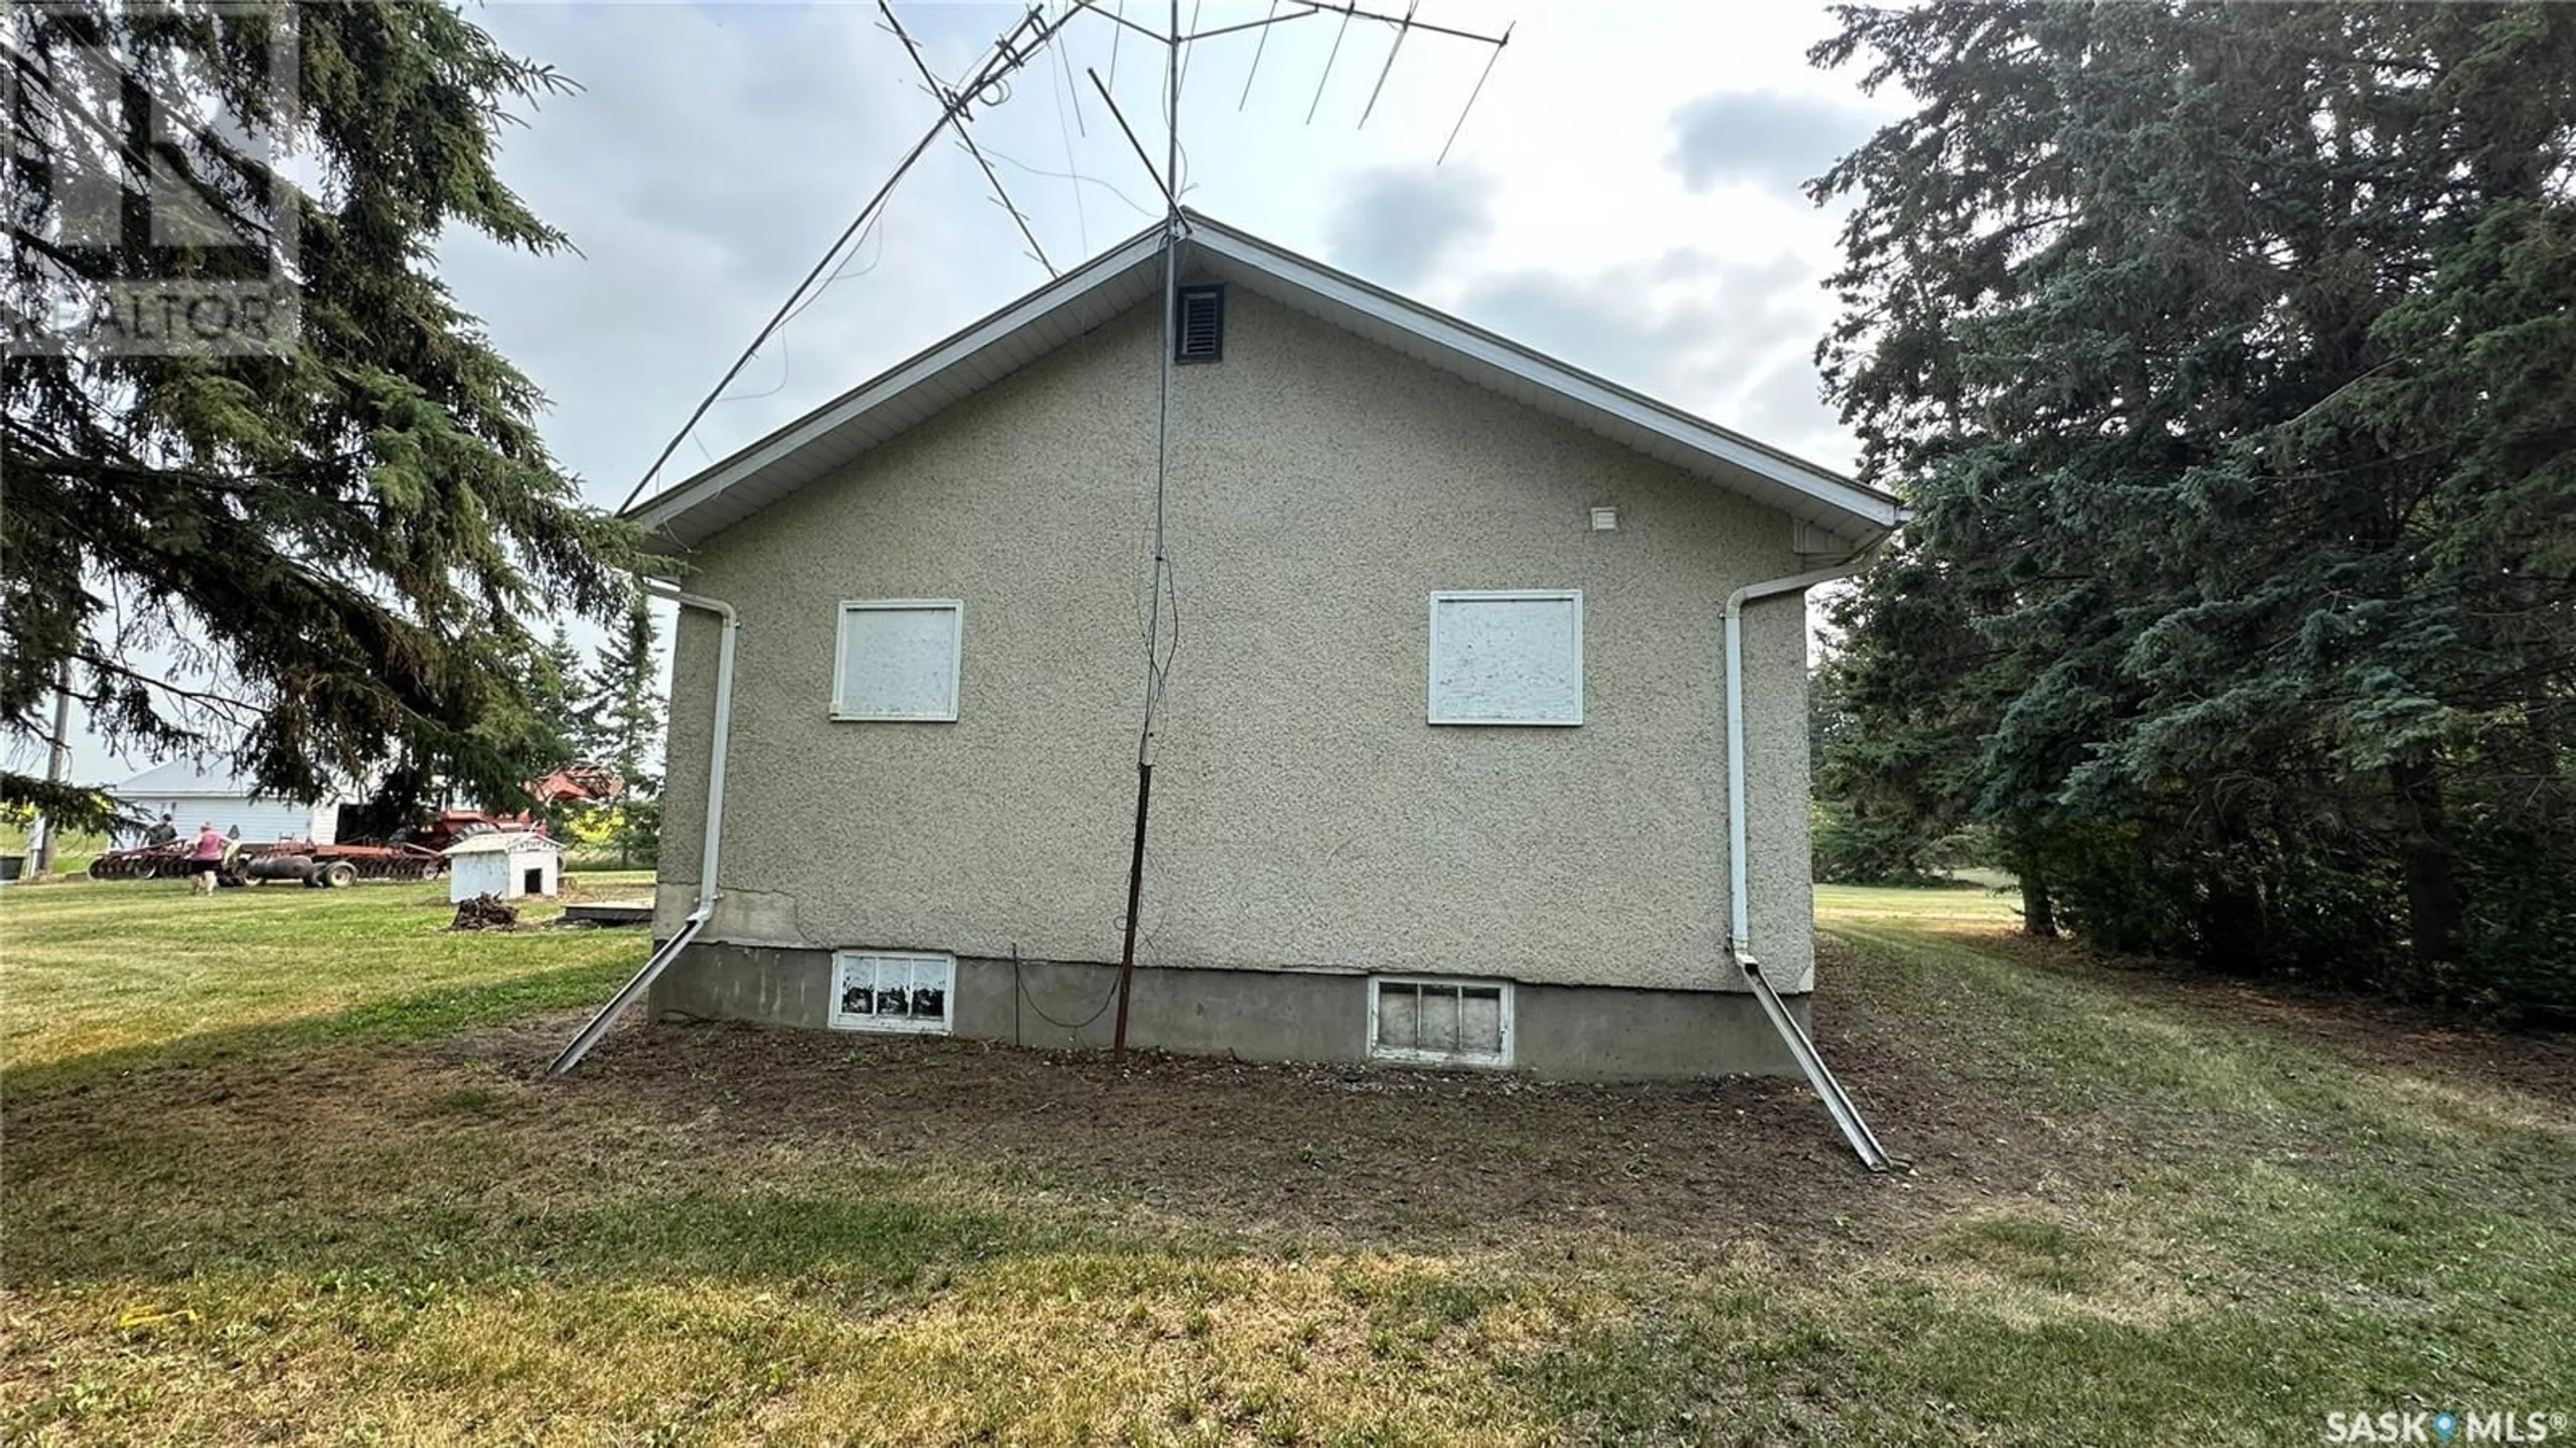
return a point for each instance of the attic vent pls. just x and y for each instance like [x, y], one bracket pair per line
[1202, 325]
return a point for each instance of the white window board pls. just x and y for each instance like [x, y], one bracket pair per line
[898, 659]
[1513, 657]
[1440, 1020]
[893, 990]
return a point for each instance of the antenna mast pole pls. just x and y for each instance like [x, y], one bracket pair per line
[1175, 225]
[1154, 661]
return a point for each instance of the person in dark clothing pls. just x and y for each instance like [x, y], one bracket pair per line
[162, 833]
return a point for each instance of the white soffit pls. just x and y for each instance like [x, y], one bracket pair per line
[830, 437]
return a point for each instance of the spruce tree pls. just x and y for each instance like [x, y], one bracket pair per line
[625, 708]
[558, 690]
[2227, 354]
[336, 535]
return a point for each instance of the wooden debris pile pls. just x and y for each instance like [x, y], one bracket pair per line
[485, 912]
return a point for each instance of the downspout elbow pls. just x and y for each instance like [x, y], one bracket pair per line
[1738, 829]
[711, 847]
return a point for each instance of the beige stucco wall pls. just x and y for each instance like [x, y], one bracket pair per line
[1305, 814]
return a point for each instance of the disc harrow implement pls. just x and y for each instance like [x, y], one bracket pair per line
[287, 861]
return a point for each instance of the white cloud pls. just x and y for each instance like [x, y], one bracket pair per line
[1725, 338]
[1399, 224]
[1764, 138]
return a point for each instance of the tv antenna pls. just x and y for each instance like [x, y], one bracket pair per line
[986, 85]
[1176, 44]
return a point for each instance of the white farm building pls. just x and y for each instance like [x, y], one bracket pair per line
[192, 797]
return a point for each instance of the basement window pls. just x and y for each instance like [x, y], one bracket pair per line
[1429, 1021]
[1200, 330]
[1507, 658]
[893, 991]
[898, 659]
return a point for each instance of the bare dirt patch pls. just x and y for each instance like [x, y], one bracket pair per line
[1374, 1155]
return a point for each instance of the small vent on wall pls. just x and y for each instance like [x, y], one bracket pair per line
[1202, 325]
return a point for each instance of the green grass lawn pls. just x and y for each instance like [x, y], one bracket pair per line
[110, 976]
[275, 1166]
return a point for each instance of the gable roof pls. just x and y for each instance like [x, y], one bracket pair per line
[830, 437]
[503, 842]
[186, 778]
[181, 777]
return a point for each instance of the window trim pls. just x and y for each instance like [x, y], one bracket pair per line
[906, 1025]
[1416, 1056]
[841, 658]
[1431, 658]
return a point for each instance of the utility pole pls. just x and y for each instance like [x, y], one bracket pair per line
[58, 767]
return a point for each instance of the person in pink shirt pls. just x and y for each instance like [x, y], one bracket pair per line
[205, 860]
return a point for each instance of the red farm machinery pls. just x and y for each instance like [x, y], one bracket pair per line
[413, 854]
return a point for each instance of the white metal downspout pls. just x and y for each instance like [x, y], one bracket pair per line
[708, 850]
[1736, 831]
[1838, 1104]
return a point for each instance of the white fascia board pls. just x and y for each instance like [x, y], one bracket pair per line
[656, 513]
[1863, 505]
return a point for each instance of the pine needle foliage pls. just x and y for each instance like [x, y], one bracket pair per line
[320, 557]
[2228, 354]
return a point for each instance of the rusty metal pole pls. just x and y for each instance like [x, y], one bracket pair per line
[1135, 897]
[1154, 662]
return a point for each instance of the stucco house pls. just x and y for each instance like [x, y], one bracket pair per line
[1443, 765]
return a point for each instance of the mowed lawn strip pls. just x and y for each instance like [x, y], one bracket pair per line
[102, 975]
[277, 1166]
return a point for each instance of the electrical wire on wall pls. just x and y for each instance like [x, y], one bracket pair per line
[1162, 591]
[1020, 995]
[1157, 663]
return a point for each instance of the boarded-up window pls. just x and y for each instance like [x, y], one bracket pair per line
[899, 659]
[1507, 658]
[1437, 1022]
[893, 991]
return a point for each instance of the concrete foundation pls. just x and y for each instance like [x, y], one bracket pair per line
[1576, 1033]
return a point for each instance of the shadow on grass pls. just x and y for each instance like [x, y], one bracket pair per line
[419, 1016]
[320, 1148]
[827, 1240]
[1931, 1371]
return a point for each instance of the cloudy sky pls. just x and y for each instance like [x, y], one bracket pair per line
[1624, 195]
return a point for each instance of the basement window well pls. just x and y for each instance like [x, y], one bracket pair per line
[1507, 658]
[898, 659]
[893, 991]
[1427, 1021]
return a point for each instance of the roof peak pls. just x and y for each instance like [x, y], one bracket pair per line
[1039, 321]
